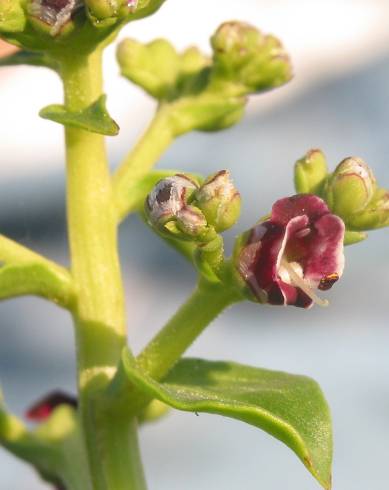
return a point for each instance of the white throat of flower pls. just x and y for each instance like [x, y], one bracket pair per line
[292, 273]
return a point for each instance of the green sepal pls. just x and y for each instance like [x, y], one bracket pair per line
[54, 448]
[95, 118]
[29, 58]
[289, 407]
[351, 237]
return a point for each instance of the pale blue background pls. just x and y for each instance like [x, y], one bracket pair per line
[343, 347]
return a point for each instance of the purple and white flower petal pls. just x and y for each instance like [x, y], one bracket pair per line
[297, 250]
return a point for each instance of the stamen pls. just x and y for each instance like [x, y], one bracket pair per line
[299, 282]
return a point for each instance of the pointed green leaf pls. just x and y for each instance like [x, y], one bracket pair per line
[289, 407]
[94, 118]
[28, 58]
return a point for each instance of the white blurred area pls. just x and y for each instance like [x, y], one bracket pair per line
[339, 101]
[325, 39]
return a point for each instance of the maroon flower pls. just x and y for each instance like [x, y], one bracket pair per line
[44, 407]
[299, 249]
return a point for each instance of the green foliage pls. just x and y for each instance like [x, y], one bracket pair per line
[94, 118]
[289, 407]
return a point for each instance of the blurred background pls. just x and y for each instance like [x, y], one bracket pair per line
[339, 102]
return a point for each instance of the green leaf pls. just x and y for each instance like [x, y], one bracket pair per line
[28, 58]
[289, 407]
[94, 118]
[38, 279]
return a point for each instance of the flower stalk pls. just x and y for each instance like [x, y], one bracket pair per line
[99, 316]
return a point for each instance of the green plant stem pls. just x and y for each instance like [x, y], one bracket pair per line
[166, 348]
[141, 159]
[100, 316]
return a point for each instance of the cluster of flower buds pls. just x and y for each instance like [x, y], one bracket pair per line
[180, 208]
[34, 24]
[205, 93]
[248, 59]
[351, 192]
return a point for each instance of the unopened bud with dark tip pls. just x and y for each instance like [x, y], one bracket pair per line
[350, 188]
[53, 17]
[192, 222]
[43, 408]
[310, 172]
[219, 201]
[242, 54]
[167, 199]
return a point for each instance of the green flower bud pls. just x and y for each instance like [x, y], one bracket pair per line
[350, 188]
[102, 10]
[244, 56]
[154, 66]
[219, 200]
[192, 222]
[12, 16]
[375, 215]
[310, 172]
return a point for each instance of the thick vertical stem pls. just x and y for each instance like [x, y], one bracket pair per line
[111, 441]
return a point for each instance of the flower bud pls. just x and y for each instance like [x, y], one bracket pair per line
[154, 66]
[54, 17]
[310, 172]
[350, 188]
[12, 16]
[168, 199]
[375, 215]
[192, 222]
[242, 54]
[219, 200]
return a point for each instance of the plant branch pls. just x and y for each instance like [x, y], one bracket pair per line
[166, 348]
[141, 159]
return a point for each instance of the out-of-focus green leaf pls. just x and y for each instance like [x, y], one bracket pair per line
[94, 118]
[28, 58]
[289, 407]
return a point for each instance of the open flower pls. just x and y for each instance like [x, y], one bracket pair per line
[284, 259]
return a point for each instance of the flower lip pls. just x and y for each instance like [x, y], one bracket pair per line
[298, 250]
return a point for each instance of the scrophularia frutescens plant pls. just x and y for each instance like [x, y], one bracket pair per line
[288, 258]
